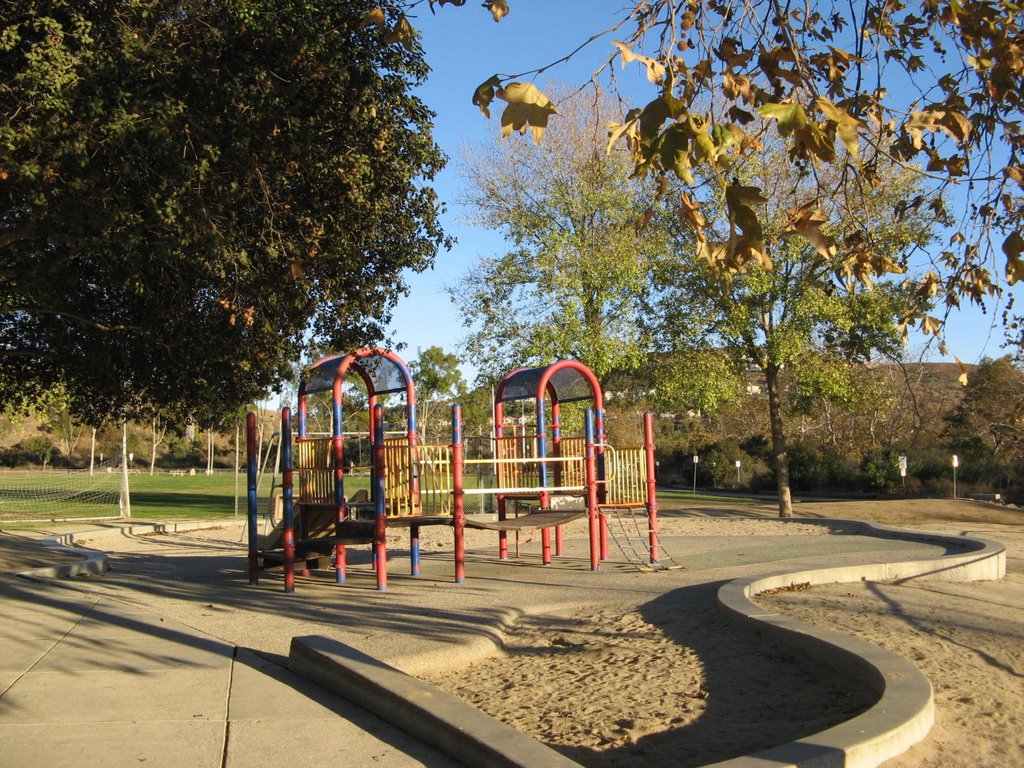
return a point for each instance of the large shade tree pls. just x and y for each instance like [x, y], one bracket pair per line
[568, 285]
[192, 192]
[797, 315]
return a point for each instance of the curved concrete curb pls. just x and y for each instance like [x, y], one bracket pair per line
[95, 562]
[904, 712]
[437, 718]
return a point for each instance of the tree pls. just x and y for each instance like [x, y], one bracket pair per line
[568, 286]
[991, 415]
[796, 315]
[438, 380]
[193, 192]
[937, 84]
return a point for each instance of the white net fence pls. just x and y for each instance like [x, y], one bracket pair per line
[61, 494]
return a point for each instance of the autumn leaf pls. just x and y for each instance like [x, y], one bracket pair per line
[847, 125]
[1012, 248]
[527, 107]
[930, 325]
[373, 18]
[956, 125]
[655, 69]
[498, 9]
[962, 378]
[403, 33]
[484, 94]
[806, 221]
[689, 213]
[790, 117]
[629, 130]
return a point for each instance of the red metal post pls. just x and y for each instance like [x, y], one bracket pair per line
[380, 547]
[458, 495]
[499, 433]
[652, 495]
[287, 477]
[593, 511]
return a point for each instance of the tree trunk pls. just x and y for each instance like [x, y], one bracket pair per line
[779, 451]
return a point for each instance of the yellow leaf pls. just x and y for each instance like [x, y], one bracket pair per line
[402, 33]
[374, 18]
[484, 94]
[629, 130]
[1012, 248]
[962, 378]
[655, 69]
[791, 117]
[954, 124]
[806, 221]
[689, 213]
[527, 107]
[498, 9]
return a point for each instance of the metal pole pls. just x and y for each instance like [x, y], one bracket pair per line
[287, 477]
[380, 551]
[652, 495]
[126, 502]
[458, 495]
[593, 513]
[251, 449]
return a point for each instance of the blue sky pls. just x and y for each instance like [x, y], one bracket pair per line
[464, 47]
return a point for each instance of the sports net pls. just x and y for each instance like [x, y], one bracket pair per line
[61, 494]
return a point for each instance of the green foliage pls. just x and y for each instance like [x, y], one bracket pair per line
[568, 286]
[193, 191]
[794, 315]
[882, 471]
[438, 381]
[38, 448]
[991, 414]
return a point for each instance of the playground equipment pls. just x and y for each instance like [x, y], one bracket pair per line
[541, 481]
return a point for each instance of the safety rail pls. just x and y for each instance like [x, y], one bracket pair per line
[315, 469]
[428, 468]
[625, 476]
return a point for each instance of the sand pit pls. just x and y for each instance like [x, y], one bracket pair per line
[628, 669]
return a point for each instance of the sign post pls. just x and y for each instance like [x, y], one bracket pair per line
[903, 471]
[696, 459]
[956, 463]
[737, 473]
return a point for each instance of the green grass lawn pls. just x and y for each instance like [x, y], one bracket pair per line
[164, 497]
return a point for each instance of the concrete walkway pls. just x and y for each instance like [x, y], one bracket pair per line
[92, 681]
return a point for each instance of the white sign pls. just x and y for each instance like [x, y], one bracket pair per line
[696, 458]
[956, 460]
[737, 463]
[903, 466]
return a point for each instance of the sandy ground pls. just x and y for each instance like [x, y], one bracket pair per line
[667, 681]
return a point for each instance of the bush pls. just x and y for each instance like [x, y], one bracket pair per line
[882, 471]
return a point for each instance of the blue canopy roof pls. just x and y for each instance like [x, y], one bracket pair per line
[386, 374]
